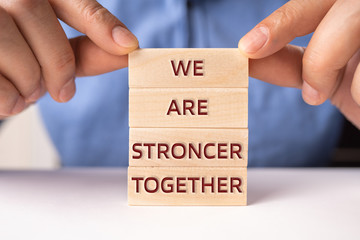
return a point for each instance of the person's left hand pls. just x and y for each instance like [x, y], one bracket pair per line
[329, 68]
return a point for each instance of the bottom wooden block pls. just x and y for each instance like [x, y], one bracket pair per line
[187, 185]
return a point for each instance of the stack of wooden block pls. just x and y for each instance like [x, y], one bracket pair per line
[188, 115]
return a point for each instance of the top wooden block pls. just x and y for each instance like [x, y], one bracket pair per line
[193, 68]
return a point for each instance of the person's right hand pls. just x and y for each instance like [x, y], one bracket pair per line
[36, 56]
[328, 68]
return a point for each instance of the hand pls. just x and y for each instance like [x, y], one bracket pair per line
[36, 55]
[329, 68]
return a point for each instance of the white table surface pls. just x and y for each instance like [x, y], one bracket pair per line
[85, 204]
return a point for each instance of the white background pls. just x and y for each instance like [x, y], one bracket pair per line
[84, 204]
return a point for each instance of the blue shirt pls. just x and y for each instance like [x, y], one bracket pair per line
[92, 129]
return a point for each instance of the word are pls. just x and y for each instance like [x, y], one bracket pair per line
[188, 184]
[198, 107]
[189, 150]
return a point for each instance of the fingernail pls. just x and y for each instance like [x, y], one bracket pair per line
[310, 95]
[254, 40]
[19, 106]
[68, 90]
[42, 88]
[124, 38]
[34, 96]
[38, 92]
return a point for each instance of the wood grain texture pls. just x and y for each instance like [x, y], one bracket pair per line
[187, 186]
[226, 108]
[171, 147]
[152, 68]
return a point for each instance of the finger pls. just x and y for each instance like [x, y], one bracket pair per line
[92, 19]
[283, 68]
[11, 102]
[355, 87]
[346, 97]
[333, 44]
[40, 27]
[24, 108]
[295, 18]
[92, 60]
[18, 63]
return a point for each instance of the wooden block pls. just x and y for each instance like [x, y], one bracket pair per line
[190, 68]
[187, 186]
[200, 108]
[188, 147]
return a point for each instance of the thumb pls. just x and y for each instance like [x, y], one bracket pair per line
[95, 21]
[295, 18]
[92, 60]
